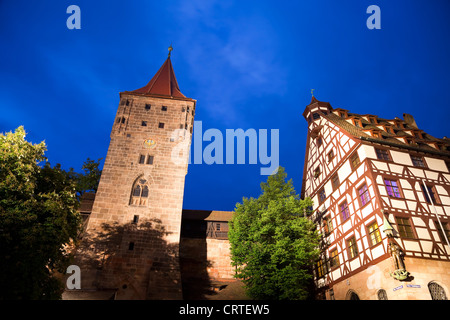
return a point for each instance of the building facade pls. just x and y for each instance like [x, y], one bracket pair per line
[381, 193]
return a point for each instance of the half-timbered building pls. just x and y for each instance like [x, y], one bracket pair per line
[381, 193]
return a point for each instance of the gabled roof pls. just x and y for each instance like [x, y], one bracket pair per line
[423, 144]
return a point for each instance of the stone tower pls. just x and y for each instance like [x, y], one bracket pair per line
[131, 244]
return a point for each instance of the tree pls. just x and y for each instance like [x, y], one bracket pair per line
[91, 177]
[273, 243]
[38, 220]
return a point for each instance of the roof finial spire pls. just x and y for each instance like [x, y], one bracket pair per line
[312, 92]
[170, 50]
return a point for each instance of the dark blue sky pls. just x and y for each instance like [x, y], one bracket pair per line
[249, 64]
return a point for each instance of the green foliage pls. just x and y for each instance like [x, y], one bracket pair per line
[273, 244]
[38, 220]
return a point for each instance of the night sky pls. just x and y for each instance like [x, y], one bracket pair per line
[249, 65]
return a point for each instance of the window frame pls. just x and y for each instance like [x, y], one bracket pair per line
[376, 231]
[383, 154]
[352, 247]
[335, 181]
[405, 227]
[364, 198]
[344, 209]
[334, 258]
[419, 159]
[353, 159]
[433, 193]
[390, 186]
[319, 193]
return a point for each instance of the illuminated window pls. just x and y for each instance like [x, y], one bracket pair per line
[139, 195]
[334, 258]
[344, 210]
[364, 195]
[374, 234]
[352, 247]
[392, 188]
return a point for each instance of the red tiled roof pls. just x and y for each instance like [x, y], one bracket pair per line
[163, 83]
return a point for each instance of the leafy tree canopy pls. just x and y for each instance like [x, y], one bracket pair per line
[38, 217]
[273, 244]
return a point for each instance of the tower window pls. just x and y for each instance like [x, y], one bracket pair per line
[141, 159]
[163, 108]
[135, 219]
[315, 116]
[149, 159]
[131, 246]
[144, 123]
[148, 106]
[161, 125]
[139, 195]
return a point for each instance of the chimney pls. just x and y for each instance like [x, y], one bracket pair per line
[409, 119]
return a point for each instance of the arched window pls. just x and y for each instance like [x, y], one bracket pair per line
[139, 194]
[351, 295]
[436, 291]
[382, 295]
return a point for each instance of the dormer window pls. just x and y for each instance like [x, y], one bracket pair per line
[409, 140]
[399, 124]
[357, 123]
[373, 120]
[376, 134]
[389, 129]
[417, 134]
[315, 116]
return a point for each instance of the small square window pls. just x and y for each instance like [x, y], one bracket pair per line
[163, 108]
[131, 246]
[161, 125]
[315, 116]
[417, 161]
[148, 106]
[382, 154]
[144, 123]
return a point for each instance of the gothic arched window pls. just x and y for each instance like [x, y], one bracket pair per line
[139, 194]
[436, 291]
